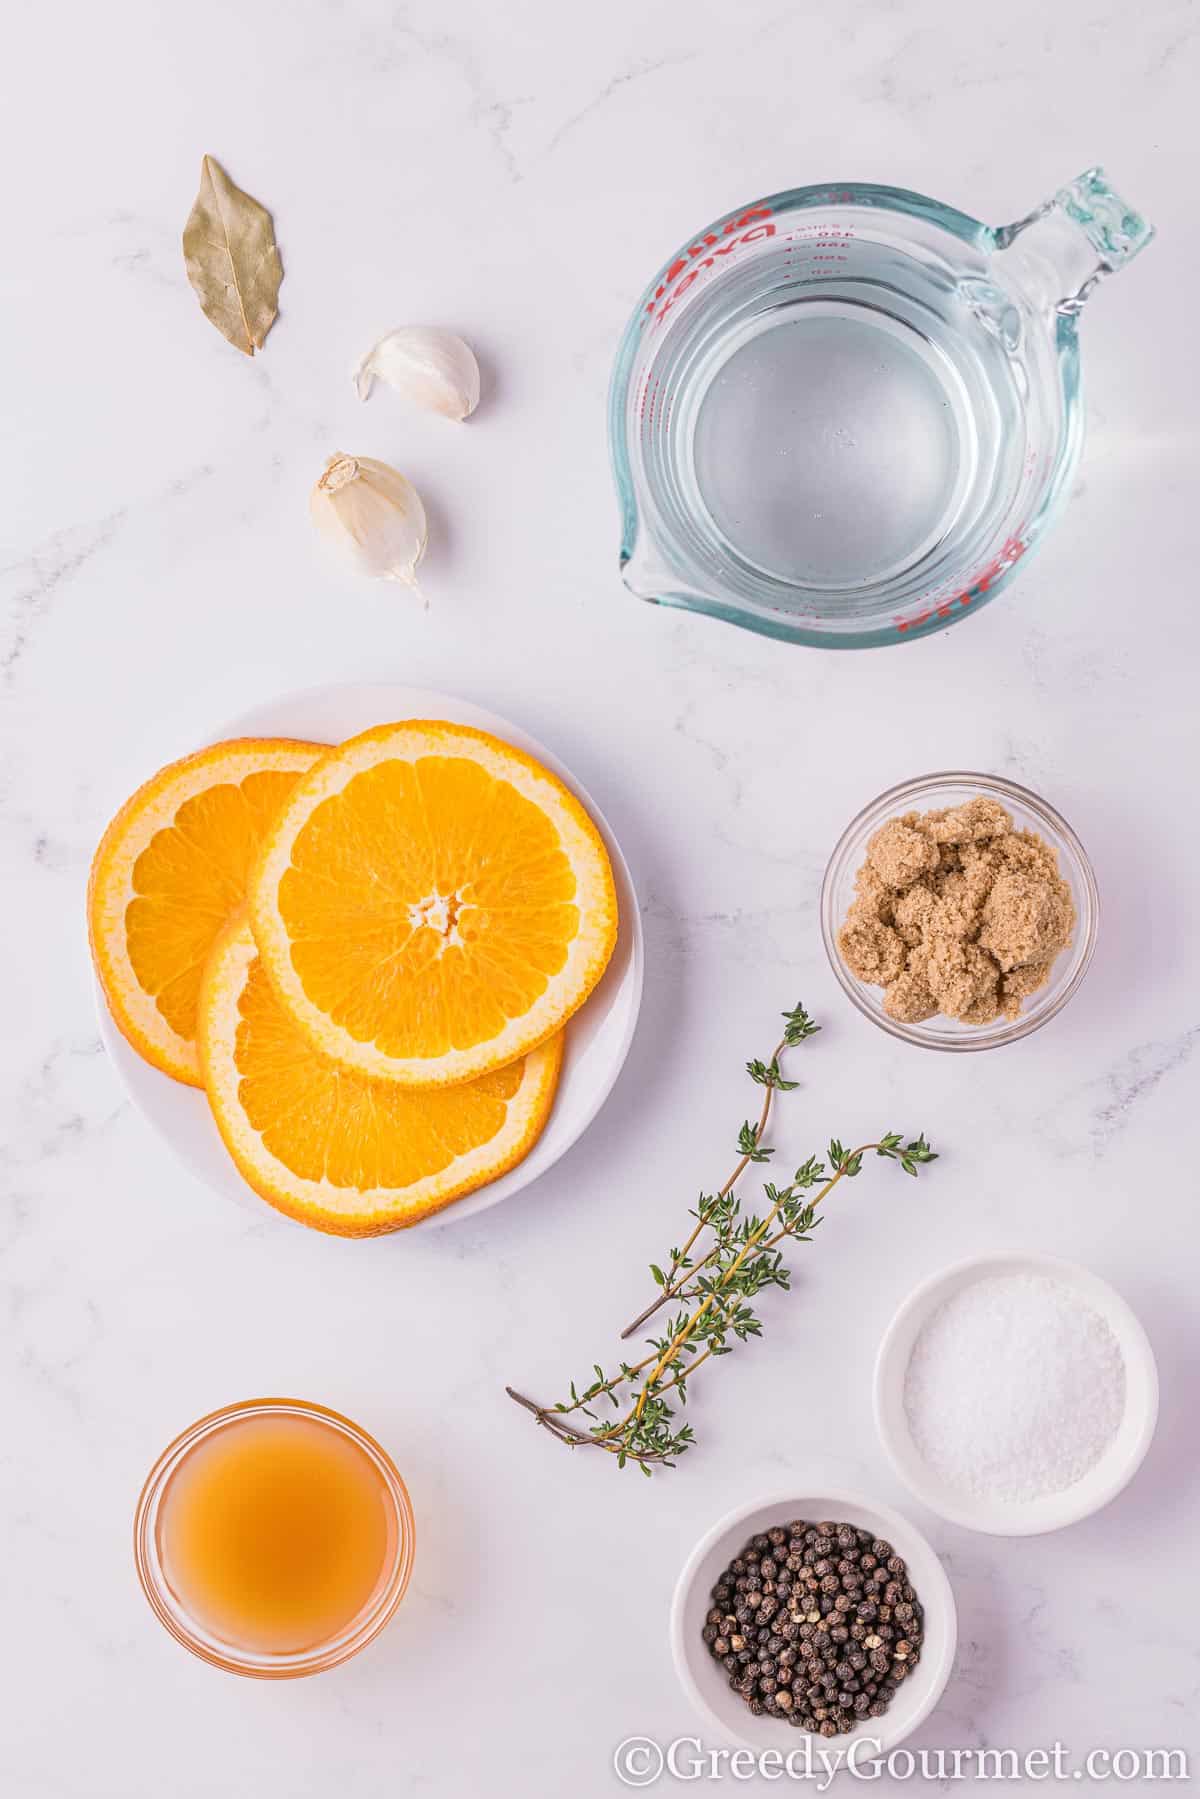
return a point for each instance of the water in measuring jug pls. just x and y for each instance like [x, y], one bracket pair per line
[838, 425]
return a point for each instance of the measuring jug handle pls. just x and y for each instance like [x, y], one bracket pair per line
[1084, 233]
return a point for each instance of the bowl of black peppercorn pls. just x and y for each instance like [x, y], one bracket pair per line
[815, 1614]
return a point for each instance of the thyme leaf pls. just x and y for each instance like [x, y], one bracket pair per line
[713, 1288]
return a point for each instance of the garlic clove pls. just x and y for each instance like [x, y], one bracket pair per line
[432, 368]
[374, 514]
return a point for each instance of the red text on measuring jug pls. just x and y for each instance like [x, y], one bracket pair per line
[693, 261]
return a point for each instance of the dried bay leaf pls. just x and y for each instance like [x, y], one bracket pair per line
[232, 259]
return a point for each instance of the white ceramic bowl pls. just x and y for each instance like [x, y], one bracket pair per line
[705, 1681]
[1004, 1518]
[598, 1037]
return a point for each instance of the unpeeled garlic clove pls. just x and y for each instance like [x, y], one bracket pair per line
[433, 368]
[374, 514]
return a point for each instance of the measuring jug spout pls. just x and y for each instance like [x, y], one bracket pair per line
[647, 574]
[1068, 244]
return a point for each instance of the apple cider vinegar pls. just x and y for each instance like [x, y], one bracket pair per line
[279, 1532]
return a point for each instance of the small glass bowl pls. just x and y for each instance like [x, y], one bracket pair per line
[1029, 813]
[193, 1635]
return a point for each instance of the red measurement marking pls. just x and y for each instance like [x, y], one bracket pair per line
[694, 259]
[1012, 551]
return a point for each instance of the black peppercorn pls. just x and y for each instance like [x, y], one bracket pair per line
[824, 1609]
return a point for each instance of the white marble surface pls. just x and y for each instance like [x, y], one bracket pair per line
[518, 172]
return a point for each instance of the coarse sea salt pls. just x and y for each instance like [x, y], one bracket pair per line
[1015, 1388]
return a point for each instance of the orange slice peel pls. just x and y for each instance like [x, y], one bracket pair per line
[340, 1151]
[430, 904]
[169, 871]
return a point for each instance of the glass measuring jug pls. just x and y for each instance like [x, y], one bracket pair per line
[843, 415]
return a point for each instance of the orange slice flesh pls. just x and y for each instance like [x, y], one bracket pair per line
[431, 903]
[170, 870]
[341, 1151]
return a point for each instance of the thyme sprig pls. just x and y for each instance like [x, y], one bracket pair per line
[714, 1290]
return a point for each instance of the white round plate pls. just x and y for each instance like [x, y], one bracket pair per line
[598, 1037]
[707, 1685]
[1116, 1467]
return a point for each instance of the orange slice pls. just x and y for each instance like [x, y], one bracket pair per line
[169, 871]
[431, 903]
[342, 1151]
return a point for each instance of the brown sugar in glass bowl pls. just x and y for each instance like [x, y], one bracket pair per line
[1069, 888]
